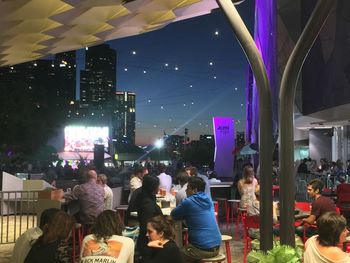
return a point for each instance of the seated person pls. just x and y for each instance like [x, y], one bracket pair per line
[165, 180]
[181, 193]
[29, 237]
[91, 198]
[321, 205]
[161, 234]
[254, 210]
[203, 231]
[324, 247]
[52, 245]
[102, 180]
[247, 187]
[106, 241]
[136, 179]
[147, 208]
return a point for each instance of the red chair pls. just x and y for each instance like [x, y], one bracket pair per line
[242, 213]
[77, 227]
[216, 210]
[303, 206]
[343, 201]
[248, 223]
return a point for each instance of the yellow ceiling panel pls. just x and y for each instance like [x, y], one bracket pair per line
[34, 9]
[30, 29]
[26, 38]
[31, 26]
[160, 17]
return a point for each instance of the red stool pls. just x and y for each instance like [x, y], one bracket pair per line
[226, 239]
[216, 209]
[78, 227]
[121, 211]
[242, 213]
[224, 201]
[233, 205]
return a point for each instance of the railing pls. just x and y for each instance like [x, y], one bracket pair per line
[17, 214]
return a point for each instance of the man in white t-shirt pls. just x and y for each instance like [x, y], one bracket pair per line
[102, 180]
[165, 180]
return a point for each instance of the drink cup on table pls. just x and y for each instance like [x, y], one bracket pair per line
[162, 191]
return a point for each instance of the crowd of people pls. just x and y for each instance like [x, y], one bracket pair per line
[102, 226]
[156, 237]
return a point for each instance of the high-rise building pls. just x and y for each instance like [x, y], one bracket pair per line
[98, 80]
[65, 68]
[123, 117]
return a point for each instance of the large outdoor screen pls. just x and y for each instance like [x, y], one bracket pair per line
[83, 138]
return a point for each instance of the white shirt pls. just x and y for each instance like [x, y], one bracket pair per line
[117, 249]
[166, 181]
[135, 183]
[181, 194]
[24, 244]
[108, 198]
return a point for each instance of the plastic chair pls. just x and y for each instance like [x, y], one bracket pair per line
[248, 223]
[233, 205]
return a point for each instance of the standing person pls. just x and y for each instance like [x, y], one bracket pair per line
[203, 232]
[324, 247]
[136, 179]
[106, 241]
[52, 245]
[91, 199]
[319, 206]
[247, 187]
[165, 180]
[108, 199]
[161, 234]
[29, 237]
[146, 208]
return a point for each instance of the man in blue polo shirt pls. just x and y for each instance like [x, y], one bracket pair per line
[203, 232]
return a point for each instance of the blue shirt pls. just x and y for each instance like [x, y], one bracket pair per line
[198, 211]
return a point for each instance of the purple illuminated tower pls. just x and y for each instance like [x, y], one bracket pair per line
[265, 36]
[224, 146]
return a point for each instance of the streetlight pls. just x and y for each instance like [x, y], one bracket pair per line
[159, 144]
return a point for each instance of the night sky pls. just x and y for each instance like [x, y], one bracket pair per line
[183, 75]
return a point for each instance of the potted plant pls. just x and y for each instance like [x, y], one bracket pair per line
[278, 254]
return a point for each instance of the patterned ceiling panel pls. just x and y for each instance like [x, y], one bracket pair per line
[30, 29]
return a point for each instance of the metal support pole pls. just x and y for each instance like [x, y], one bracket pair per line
[287, 95]
[265, 110]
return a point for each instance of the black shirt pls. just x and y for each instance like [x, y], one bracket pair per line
[170, 253]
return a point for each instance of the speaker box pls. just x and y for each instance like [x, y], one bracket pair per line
[99, 152]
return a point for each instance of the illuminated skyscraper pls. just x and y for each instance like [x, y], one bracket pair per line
[123, 119]
[98, 80]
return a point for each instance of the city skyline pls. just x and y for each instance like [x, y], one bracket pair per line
[183, 75]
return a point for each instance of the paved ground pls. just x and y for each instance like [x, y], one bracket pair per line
[235, 245]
